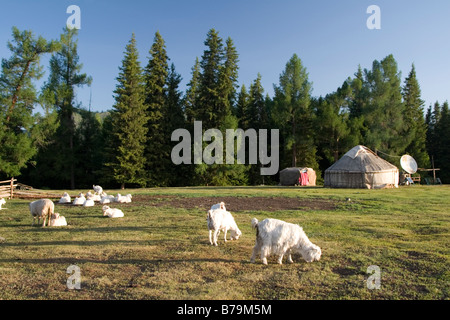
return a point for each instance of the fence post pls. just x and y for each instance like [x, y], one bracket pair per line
[12, 188]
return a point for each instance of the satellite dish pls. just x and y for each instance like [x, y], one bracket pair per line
[408, 164]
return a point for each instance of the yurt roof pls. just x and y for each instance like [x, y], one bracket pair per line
[361, 159]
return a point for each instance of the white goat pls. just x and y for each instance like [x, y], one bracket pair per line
[278, 237]
[123, 199]
[57, 220]
[106, 198]
[79, 201]
[220, 219]
[89, 202]
[97, 189]
[65, 198]
[2, 202]
[42, 208]
[112, 212]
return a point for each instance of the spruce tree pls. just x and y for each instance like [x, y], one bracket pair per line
[241, 110]
[442, 143]
[209, 99]
[256, 109]
[174, 119]
[129, 120]
[157, 150]
[191, 96]
[414, 120]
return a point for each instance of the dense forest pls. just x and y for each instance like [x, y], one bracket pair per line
[67, 146]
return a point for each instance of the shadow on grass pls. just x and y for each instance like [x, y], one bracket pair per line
[78, 261]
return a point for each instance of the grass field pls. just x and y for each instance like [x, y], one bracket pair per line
[160, 249]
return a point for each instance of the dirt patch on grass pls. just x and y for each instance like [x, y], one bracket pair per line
[238, 203]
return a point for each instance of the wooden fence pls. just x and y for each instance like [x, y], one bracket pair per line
[12, 189]
[7, 188]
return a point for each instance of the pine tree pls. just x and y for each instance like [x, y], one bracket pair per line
[432, 119]
[228, 85]
[415, 125]
[442, 143]
[192, 94]
[293, 114]
[175, 119]
[65, 76]
[215, 104]
[256, 109]
[209, 97]
[157, 152]
[383, 114]
[129, 120]
[241, 110]
[17, 98]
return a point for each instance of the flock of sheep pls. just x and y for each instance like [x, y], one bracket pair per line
[45, 208]
[272, 236]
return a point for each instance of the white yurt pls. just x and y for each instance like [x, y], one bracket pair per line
[361, 168]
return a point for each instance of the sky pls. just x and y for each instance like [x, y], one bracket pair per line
[330, 37]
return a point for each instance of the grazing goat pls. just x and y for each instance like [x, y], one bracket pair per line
[42, 208]
[112, 212]
[57, 220]
[65, 198]
[220, 219]
[2, 202]
[278, 237]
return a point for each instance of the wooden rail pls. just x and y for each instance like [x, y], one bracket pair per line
[12, 189]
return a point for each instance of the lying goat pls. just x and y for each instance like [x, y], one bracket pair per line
[112, 212]
[57, 220]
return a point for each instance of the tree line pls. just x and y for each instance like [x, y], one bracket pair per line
[68, 146]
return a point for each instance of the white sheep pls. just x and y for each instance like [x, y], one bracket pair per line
[220, 219]
[278, 237]
[42, 208]
[57, 220]
[2, 202]
[112, 212]
[65, 198]
[79, 201]
[97, 189]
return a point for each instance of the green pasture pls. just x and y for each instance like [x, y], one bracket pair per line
[162, 251]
